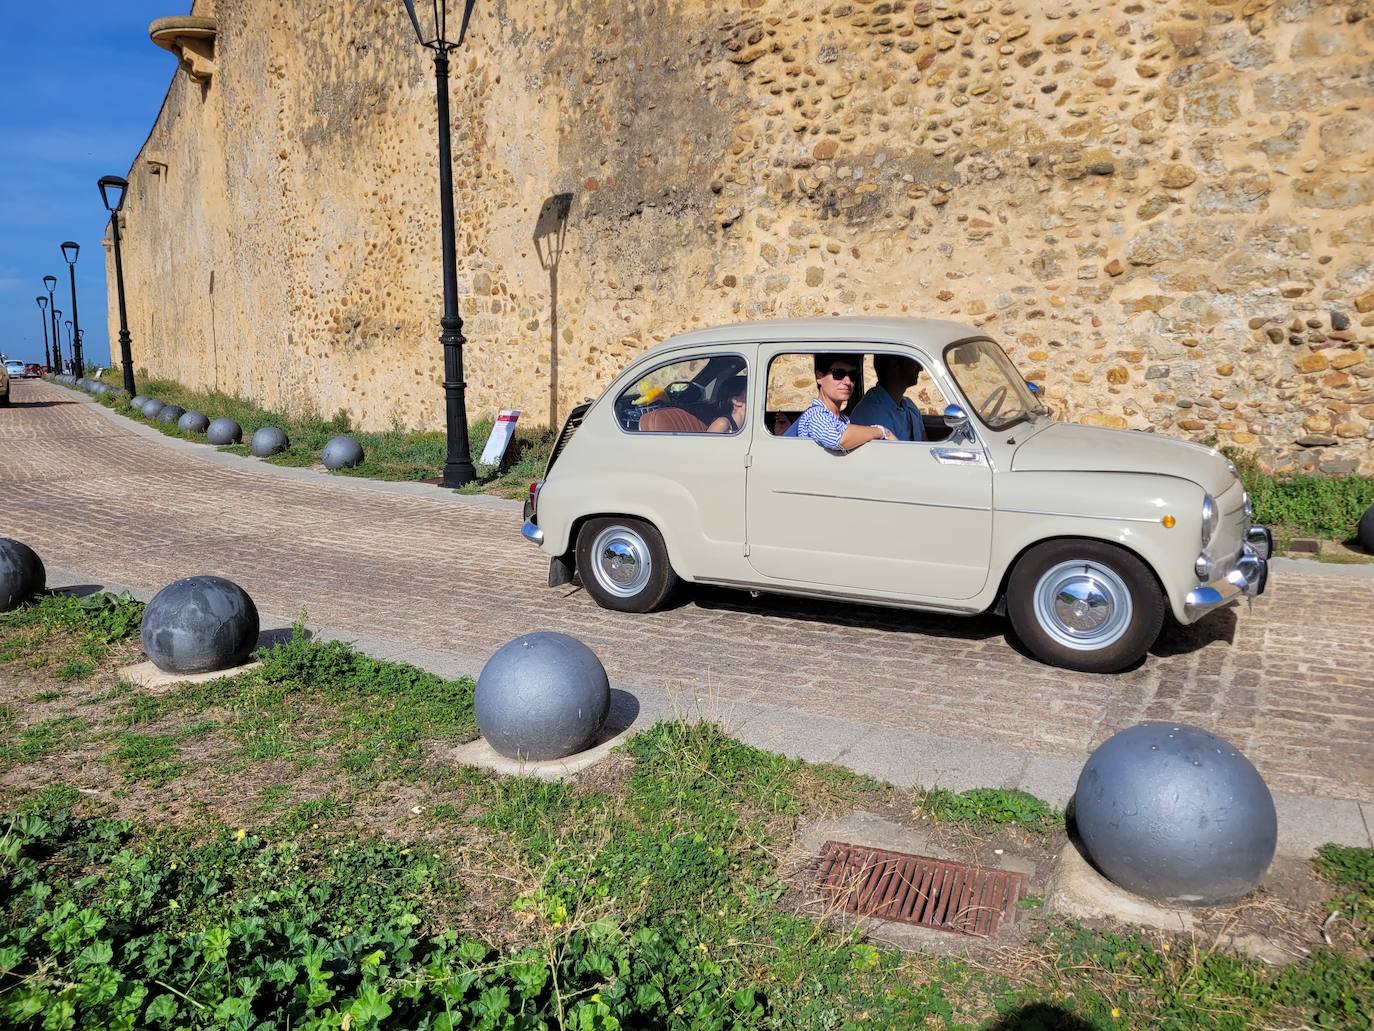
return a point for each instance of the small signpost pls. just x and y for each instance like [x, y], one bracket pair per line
[500, 438]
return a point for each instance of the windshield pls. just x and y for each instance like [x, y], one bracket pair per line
[991, 384]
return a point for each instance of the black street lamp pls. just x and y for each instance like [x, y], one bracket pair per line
[114, 185]
[71, 349]
[70, 249]
[43, 309]
[51, 283]
[56, 336]
[431, 28]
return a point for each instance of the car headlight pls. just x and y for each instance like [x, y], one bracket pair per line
[1209, 519]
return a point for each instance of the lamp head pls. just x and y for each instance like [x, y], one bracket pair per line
[112, 189]
[50, 282]
[430, 18]
[42, 302]
[70, 249]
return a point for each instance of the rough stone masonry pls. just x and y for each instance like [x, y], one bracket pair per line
[1163, 209]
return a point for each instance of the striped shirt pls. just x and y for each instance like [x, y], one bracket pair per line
[820, 424]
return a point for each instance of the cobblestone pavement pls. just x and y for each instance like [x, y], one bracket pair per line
[1291, 681]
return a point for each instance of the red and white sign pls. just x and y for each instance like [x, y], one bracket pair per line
[500, 437]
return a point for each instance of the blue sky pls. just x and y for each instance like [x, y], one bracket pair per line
[80, 85]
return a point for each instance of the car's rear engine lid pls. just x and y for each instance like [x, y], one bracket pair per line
[1065, 447]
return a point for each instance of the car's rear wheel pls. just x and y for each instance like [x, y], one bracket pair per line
[1085, 605]
[5, 399]
[623, 564]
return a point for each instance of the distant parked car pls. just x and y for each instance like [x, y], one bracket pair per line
[15, 369]
[1084, 537]
[34, 371]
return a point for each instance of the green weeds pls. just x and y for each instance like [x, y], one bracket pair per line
[1304, 505]
[985, 808]
[1351, 871]
[84, 628]
[310, 700]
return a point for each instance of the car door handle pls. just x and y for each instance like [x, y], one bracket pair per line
[956, 456]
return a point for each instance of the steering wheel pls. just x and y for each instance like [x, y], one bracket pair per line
[683, 392]
[989, 408]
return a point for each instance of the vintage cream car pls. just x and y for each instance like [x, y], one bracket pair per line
[1083, 537]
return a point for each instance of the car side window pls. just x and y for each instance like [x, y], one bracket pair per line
[702, 394]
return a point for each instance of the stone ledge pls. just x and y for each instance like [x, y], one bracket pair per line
[191, 39]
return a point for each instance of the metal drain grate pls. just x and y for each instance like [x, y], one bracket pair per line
[910, 889]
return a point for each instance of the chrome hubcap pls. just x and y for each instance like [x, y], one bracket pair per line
[621, 561]
[1083, 605]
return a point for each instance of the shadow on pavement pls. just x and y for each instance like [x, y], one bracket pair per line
[967, 628]
[78, 590]
[277, 635]
[623, 712]
[1176, 639]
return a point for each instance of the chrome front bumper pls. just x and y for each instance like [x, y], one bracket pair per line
[1248, 579]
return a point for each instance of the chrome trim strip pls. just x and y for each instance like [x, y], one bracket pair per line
[532, 533]
[816, 594]
[881, 501]
[1080, 515]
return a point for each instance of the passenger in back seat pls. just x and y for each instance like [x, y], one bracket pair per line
[735, 392]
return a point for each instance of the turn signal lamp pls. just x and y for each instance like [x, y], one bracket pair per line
[1168, 522]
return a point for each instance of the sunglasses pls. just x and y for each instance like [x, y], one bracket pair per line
[837, 373]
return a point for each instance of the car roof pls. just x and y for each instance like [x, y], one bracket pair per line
[932, 334]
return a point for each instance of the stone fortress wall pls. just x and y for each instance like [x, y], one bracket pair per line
[1162, 208]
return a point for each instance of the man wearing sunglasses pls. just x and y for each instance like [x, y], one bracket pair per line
[836, 377]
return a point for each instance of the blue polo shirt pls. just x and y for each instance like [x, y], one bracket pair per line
[876, 408]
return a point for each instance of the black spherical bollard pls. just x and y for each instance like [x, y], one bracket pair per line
[268, 441]
[138, 401]
[151, 407]
[193, 422]
[1365, 533]
[542, 696]
[224, 431]
[170, 414]
[1176, 814]
[199, 625]
[21, 573]
[342, 453]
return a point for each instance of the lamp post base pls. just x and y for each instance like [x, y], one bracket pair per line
[458, 474]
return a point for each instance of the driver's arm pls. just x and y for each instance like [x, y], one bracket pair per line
[855, 435]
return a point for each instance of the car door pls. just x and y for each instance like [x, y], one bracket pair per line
[888, 518]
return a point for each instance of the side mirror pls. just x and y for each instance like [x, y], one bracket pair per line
[955, 416]
[1034, 388]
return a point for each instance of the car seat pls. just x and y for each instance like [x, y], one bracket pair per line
[670, 420]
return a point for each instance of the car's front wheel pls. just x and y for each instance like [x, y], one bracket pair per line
[623, 564]
[1085, 605]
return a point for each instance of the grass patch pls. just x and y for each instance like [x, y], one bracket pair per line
[396, 454]
[1351, 871]
[1305, 505]
[75, 632]
[310, 700]
[986, 808]
[148, 757]
[31, 744]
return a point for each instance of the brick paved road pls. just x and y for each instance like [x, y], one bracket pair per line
[1291, 682]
